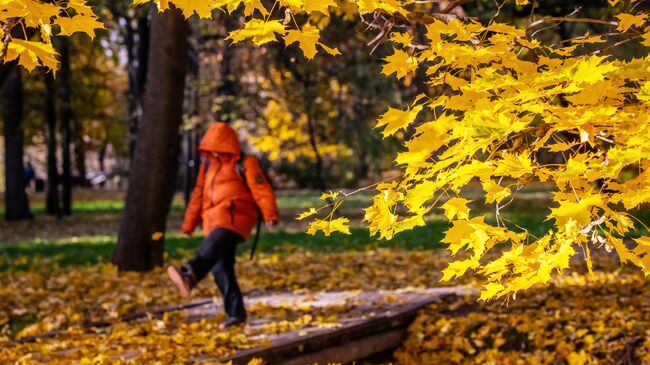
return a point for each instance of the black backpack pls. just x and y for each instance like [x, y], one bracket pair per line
[241, 172]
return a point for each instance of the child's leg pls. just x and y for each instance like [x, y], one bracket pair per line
[224, 276]
[208, 255]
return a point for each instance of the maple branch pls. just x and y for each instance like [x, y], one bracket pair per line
[453, 5]
[429, 18]
[6, 28]
[560, 19]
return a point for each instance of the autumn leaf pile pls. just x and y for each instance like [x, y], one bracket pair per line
[47, 297]
[579, 320]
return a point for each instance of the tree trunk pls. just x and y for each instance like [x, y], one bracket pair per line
[192, 108]
[155, 162]
[16, 203]
[66, 116]
[137, 60]
[80, 152]
[52, 205]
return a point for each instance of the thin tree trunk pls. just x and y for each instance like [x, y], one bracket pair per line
[16, 202]
[140, 246]
[80, 152]
[311, 129]
[52, 205]
[65, 117]
[101, 156]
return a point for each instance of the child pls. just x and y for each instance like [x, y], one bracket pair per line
[228, 206]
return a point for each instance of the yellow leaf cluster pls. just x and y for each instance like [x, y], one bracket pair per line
[574, 122]
[286, 136]
[71, 17]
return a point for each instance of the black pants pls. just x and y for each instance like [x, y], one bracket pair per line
[217, 255]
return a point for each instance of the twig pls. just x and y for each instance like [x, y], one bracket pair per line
[453, 5]
[560, 19]
[6, 28]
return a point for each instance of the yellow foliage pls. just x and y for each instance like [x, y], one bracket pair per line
[71, 17]
[287, 136]
[496, 110]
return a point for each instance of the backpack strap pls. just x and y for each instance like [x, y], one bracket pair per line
[206, 165]
[241, 171]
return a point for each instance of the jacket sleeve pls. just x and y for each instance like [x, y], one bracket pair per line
[261, 189]
[193, 210]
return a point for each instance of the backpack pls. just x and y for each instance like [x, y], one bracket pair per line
[241, 172]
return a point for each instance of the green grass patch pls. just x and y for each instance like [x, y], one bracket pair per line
[93, 249]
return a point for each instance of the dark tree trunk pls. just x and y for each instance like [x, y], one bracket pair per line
[65, 117]
[52, 205]
[101, 156]
[311, 129]
[16, 203]
[155, 161]
[137, 48]
[80, 152]
[192, 106]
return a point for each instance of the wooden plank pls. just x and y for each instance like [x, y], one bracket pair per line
[347, 343]
[354, 350]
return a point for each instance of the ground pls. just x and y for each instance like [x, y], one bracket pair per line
[54, 276]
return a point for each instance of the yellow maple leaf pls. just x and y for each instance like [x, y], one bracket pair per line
[579, 212]
[644, 92]
[307, 38]
[390, 6]
[259, 30]
[252, 5]
[646, 37]
[491, 290]
[627, 21]
[37, 12]
[495, 193]
[330, 195]
[80, 7]
[157, 236]
[329, 226]
[31, 54]
[79, 23]
[514, 165]
[458, 268]
[320, 6]
[306, 214]
[400, 63]
[404, 39]
[395, 119]
[456, 207]
[590, 70]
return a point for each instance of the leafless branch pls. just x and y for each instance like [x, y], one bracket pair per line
[560, 19]
[453, 5]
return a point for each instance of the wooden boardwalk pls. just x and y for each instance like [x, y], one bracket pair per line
[362, 323]
[382, 325]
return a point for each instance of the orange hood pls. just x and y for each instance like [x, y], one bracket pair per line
[220, 137]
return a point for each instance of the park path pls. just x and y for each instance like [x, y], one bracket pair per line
[295, 328]
[374, 322]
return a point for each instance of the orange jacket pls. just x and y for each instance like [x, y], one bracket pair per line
[221, 199]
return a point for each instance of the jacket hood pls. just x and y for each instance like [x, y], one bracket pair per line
[220, 137]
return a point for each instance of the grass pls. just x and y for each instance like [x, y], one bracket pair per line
[93, 249]
[287, 201]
